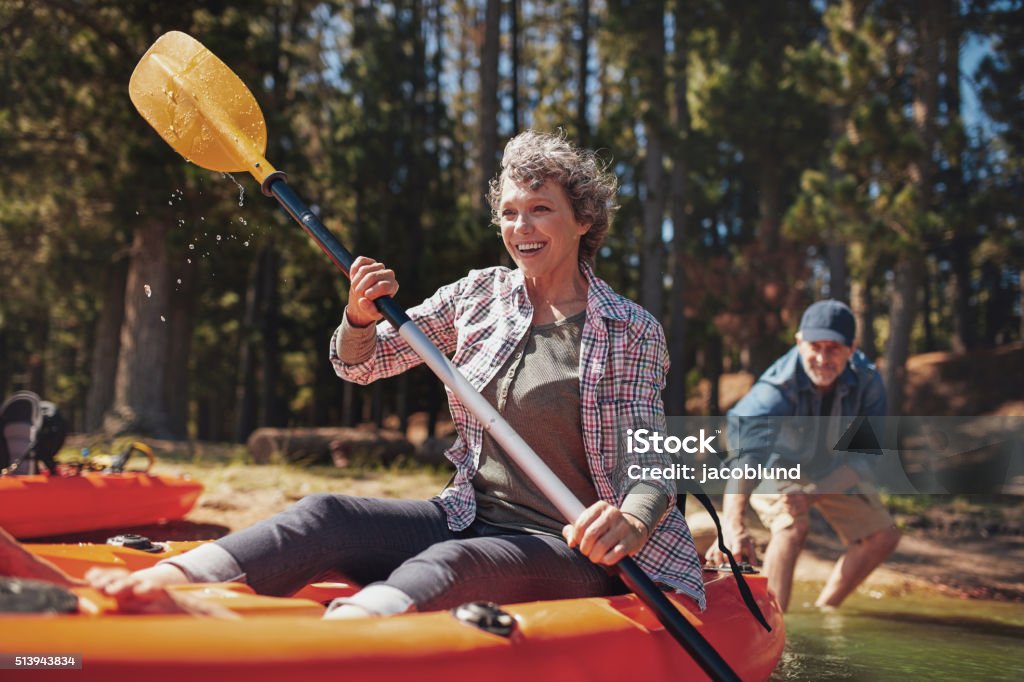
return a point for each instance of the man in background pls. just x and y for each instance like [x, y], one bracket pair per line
[822, 376]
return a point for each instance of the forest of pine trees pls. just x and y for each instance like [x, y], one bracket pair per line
[769, 154]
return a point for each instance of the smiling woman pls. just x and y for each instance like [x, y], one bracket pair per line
[562, 358]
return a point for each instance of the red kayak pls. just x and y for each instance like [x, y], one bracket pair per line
[39, 506]
[607, 638]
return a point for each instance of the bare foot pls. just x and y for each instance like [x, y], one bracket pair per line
[347, 612]
[18, 562]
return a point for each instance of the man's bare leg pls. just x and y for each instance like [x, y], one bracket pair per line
[857, 564]
[780, 560]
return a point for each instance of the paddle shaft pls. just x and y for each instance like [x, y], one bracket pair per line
[529, 461]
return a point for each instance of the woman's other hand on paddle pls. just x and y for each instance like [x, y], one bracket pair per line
[604, 534]
[370, 281]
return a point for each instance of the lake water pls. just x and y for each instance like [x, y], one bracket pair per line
[906, 637]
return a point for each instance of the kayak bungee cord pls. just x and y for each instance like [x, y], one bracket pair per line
[204, 111]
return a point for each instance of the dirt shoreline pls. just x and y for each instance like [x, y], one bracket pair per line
[945, 549]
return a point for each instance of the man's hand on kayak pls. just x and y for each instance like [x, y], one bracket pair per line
[604, 534]
[740, 543]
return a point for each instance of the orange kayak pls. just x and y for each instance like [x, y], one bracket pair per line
[37, 506]
[610, 638]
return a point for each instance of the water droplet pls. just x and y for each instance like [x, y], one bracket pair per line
[163, 319]
[247, 243]
[242, 220]
[241, 190]
[179, 280]
[218, 237]
[191, 247]
[136, 213]
[189, 260]
[148, 290]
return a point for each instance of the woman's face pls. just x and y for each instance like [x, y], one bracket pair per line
[540, 230]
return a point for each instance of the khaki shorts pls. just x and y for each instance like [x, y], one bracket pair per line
[853, 516]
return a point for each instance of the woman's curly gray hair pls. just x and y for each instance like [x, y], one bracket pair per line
[533, 158]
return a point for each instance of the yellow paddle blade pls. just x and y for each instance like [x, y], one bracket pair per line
[200, 107]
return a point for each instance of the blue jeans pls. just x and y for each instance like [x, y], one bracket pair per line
[407, 545]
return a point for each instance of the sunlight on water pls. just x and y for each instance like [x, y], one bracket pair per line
[904, 637]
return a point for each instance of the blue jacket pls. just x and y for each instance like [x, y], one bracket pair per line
[779, 420]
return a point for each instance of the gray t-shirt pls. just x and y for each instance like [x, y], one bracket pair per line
[538, 392]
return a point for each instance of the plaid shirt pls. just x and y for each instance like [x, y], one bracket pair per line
[623, 362]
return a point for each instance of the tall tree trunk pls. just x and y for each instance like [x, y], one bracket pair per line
[582, 98]
[713, 371]
[927, 305]
[910, 268]
[246, 393]
[513, 8]
[769, 203]
[835, 248]
[998, 305]
[650, 49]
[272, 412]
[489, 48]
[1020, 299]
[902, 313]
[37, 358]
[675, 390]
[764, 346]
[963, 337]
[106, 347]
[139, 385]
[349, 409]
[181, 313]
[402, 402]
[862, 303]
[838, 272]
[5, 362]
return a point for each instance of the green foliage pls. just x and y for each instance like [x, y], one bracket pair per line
[801, 134]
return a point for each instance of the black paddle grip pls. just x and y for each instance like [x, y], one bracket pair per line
[276, 186]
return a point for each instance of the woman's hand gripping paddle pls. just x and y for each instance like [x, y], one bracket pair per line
[205, 112]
